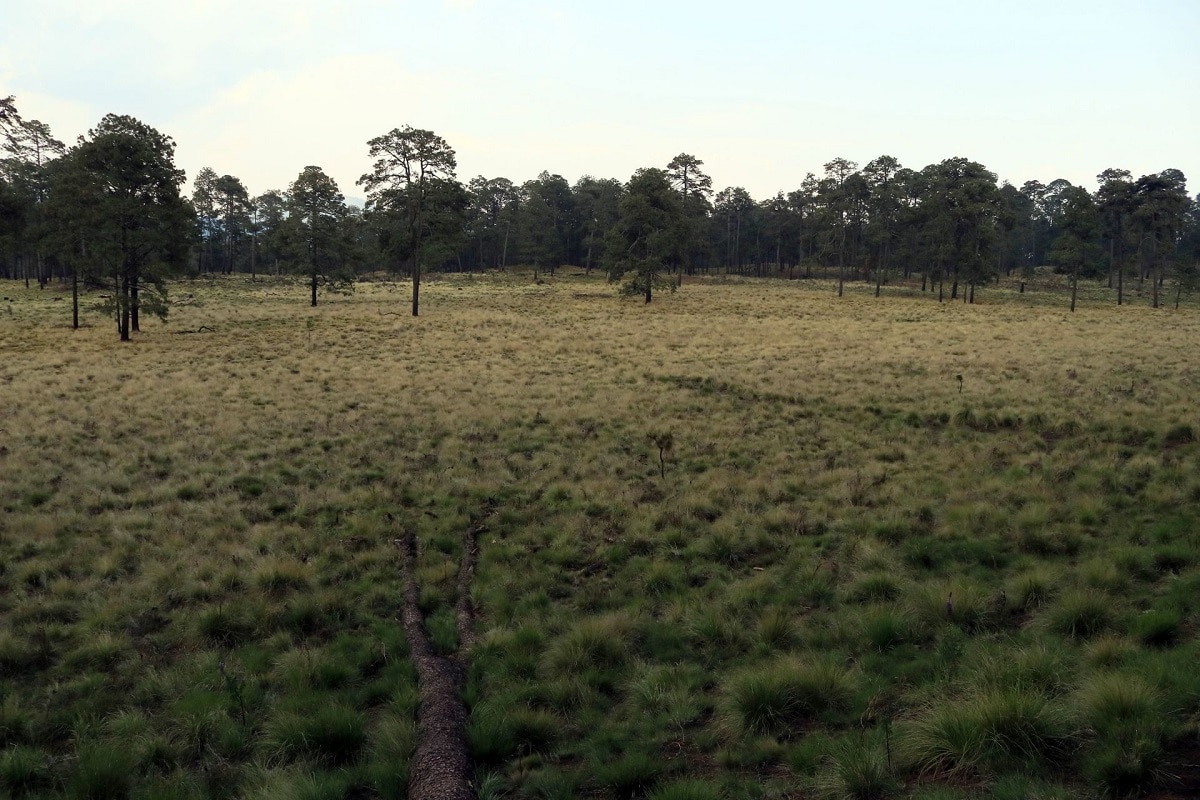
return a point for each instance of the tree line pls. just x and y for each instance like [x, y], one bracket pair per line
[109, 212]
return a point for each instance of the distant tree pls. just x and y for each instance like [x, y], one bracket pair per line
[548, 220]
[839, 201]
[116, 206]
[1160, 208]
[1115, 202]
[884, 192]
[695, 188]
[269, 212]
[314, 234]
[1076, 247]
[731, 211]
[1187, 276]
[491, 215]
[234, 209]
[648, 237]
[597, 208]
[778, 228]
[204, 202]
[1013, 244]
[961, 207]
[28, 149]
[408, 162]
[802, 202]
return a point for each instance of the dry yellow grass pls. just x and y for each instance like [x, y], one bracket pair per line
[237, 480]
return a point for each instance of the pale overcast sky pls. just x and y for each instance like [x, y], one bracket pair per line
[762, 92]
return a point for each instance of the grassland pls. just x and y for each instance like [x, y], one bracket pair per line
[749, 541]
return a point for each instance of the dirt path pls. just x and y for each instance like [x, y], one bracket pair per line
[441, 768]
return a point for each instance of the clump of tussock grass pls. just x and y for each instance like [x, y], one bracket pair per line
[884, 628]
[1030, 591]
[302, 669]
[329, 734]
[777, 628]
[500, 731]
[24, 771]
[991, 730]
[1046, 668]
[857, 770]
[688, 789]
[601, 643]
[959, 603]
[103, 771]
[16, 724]
[785, 697]
[228, 625]
[1160, 627]
[627, 776]
[278, 576]
[874, 587]
[1081, 614]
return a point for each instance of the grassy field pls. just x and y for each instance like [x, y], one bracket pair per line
[749, 541]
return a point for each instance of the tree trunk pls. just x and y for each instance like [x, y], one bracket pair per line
[123, 307]
[416, 285]
[1120, 285]
[1074, 287]
[313, 287]
[134, 305]
[75, 298]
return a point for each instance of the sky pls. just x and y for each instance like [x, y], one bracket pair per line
[762, 92]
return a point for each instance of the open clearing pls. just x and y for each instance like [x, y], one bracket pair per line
[751, 540]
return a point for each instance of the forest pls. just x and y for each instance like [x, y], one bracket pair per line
[108, 212]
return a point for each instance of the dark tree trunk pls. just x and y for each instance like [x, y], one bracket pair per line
[75, 298]
[313, 287]
[122, 287]
[134, 306]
